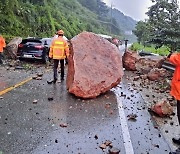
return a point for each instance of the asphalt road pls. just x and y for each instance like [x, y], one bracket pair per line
[32, 124]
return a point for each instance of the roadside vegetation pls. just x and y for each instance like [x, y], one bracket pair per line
[162, 30]
[163, 51]
[42, 18]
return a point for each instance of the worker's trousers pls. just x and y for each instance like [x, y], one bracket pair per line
[56, 63]
[178, 110]
[1, 58]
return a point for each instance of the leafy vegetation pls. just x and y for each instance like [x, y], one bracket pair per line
[164, 50]
[162, 27]
[42, 18]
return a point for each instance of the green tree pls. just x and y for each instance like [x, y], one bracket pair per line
[143, 32]
[164, 17]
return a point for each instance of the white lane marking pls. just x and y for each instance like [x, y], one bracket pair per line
[125, 130]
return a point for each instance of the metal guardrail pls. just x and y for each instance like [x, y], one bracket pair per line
[166, 64]
[169, 66]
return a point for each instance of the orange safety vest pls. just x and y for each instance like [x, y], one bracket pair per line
[2, 43]
[175, 83]
[59, 49]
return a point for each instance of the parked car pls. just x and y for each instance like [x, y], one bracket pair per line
[145, 53]
[111, 39]
[34, 48]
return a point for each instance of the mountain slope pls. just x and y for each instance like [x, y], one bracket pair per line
[42, 18]
[126, 23]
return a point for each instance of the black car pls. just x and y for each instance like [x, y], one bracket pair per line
[34, 48]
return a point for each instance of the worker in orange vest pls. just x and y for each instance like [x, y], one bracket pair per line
[174, 58]
[59, 50]
[2, 45]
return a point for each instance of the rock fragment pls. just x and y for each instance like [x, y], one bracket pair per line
[63, 125]
[114, 151]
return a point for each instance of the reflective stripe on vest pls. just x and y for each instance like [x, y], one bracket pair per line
[58, 42]
[57, 47]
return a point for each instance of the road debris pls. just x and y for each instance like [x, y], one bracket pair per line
[39, 74]
[37, 77]
[35, 101]
[103, 146]
[132, 117]
[96, 137]
[162, 108]
[63, 125]
[114, 150]
[50, 82]
[50, 98]
[106, 144]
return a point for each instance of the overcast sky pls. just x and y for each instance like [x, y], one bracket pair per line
[133, 8]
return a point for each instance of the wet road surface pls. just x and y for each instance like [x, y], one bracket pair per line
[31, 124]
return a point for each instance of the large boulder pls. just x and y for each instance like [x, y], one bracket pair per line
[11, 48]
[94, 65]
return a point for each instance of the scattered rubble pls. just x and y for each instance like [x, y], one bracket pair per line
[50, 98]
[103, 146]
[50, 82]
[96, 137]
[114, 151]
[132, 117]
[38, 76]
[35, 101]
[63, 125]
[106, 144]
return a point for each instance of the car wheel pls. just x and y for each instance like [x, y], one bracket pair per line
[46, 58]
[21, 59]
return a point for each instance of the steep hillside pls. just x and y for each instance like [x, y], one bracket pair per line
[126, 23]
[43, 18]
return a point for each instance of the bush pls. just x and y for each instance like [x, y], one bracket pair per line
[161, 51]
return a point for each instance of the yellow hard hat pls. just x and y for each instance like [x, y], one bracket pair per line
[60, 32]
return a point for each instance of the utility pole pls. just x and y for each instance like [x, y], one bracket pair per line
[111, 20]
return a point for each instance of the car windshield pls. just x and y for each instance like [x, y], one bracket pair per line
[32, 42]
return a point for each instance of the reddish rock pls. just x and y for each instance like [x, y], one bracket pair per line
[114, 151]
[94, 66]
[162, 108]
[156, 73]
[11, 48]
[153, 75]
[129, 60]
